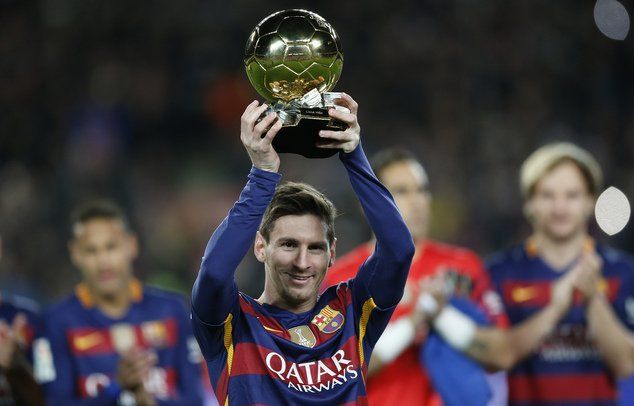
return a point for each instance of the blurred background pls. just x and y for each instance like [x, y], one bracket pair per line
[141, 102]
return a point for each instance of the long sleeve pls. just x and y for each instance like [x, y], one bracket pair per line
[215, 293]
[384, 273]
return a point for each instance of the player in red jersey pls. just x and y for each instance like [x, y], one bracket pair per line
[395, 373]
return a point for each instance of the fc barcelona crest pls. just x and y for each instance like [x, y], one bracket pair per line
[328, 320]
[154, 333]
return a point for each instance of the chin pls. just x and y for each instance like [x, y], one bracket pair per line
[562, 233]
[301, 296]
[110, 289]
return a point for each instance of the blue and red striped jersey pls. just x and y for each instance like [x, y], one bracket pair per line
[77, 362]
[260, 354]
[317, 357]
[566, 368]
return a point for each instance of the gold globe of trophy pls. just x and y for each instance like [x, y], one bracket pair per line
[293, 59]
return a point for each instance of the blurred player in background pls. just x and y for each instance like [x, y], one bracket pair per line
[559, 183]
[439, 274]
[292, 346]
[18, 324]
[115, 340]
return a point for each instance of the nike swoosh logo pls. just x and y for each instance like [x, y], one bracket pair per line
[520, 295]
[603, 286]
[271, 329]
[88, 341]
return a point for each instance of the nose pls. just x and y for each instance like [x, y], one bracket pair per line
[560, 205]
[301, 260]
[103, 258]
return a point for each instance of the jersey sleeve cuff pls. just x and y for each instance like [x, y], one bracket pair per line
[267, 176]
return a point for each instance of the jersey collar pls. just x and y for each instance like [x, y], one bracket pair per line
[83, 293]
[532, 250]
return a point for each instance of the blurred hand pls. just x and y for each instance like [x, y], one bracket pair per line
[562, 290]
[133, 367]
[345, 140]
[257, 139]
[144, 398]
[435, 287]
[11, 339]
[588, 275]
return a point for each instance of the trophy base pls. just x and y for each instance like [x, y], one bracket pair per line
[301, 135]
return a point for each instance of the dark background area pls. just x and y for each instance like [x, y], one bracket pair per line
[141, 101]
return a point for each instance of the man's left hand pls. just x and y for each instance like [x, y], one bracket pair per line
[346, 140]
[11, 339]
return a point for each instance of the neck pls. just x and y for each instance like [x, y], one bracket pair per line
[284, 304]
[559, 253]
[114, 305]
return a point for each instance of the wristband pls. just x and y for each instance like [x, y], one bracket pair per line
[455, 327]
[395, 339]
[427, 304]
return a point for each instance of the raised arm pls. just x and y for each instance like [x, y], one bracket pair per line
[215, 293]
[385, 272]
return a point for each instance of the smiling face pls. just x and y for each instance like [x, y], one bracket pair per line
[561, 203]
[104, 250]
[296, 257]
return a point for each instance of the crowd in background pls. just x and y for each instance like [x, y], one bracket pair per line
[141, 103]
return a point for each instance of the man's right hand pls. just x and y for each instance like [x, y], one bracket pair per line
[257, 139]
[432, 296]
[10, 340]
[562, 291]
[134, 366]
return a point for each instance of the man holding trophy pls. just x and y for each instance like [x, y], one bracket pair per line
[291, 346]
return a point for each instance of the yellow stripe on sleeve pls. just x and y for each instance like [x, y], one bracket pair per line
[228, 341]
[367, 308]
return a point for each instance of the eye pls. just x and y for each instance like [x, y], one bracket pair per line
[399, 190]
[574, 194]
[424, 189]
[288, 244]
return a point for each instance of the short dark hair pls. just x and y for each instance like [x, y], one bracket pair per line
[389, 156]
[98, 209]
[293, 198]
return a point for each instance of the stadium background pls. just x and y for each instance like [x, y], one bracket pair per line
[140, 101]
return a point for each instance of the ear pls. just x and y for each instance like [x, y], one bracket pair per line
[133, 245]
[259, 247]
[333, 252]
[527, 209]
[592, 201]
[73, 251]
